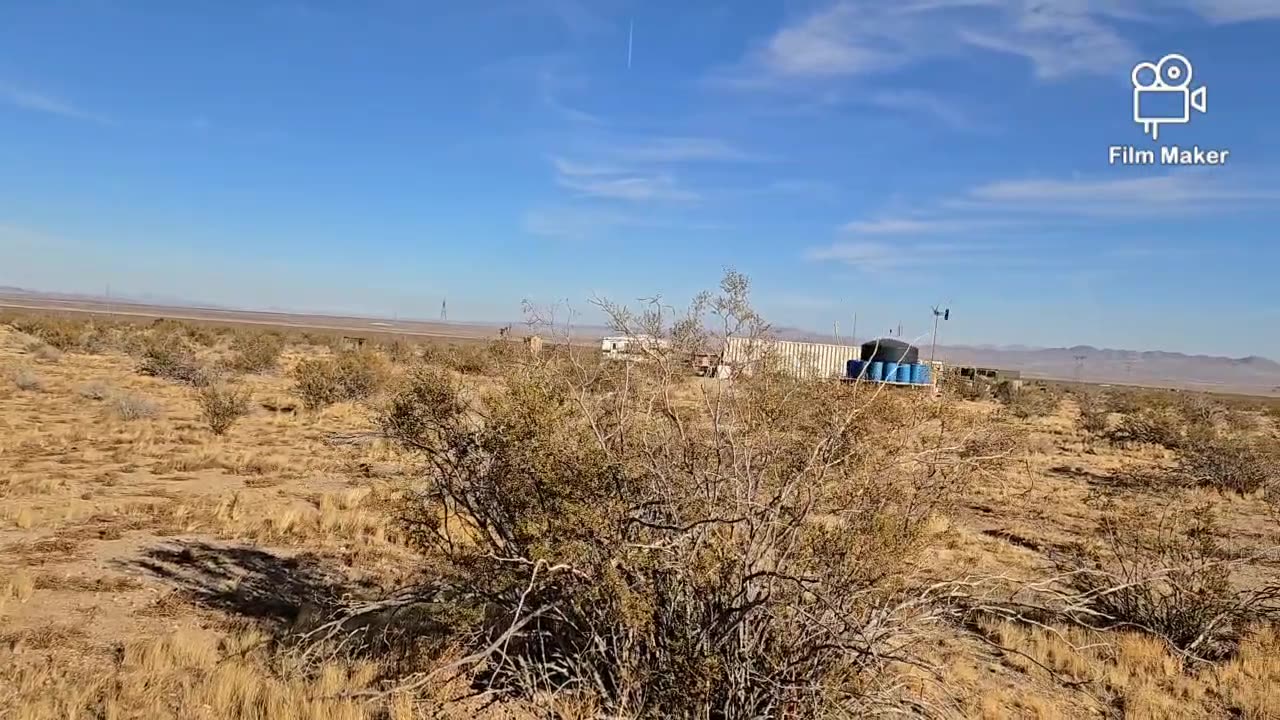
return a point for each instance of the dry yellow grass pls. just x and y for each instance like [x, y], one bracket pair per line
[95, 626]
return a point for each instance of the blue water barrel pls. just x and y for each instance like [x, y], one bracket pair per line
[891, 372]
[875, 371]
[926, 375]
[854, 368]
[904, 373]
[919, 374]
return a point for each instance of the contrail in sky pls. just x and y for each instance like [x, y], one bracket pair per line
[631, 33]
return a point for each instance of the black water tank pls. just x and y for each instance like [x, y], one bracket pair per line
[890, 350]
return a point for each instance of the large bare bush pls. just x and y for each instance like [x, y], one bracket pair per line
[168, 356]
[672, 549]
[1231, 464]
[222, 405]
[1173, 579]
[255, 352]
[1028, 402]
[352, 375]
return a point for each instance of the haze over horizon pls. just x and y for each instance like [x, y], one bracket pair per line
[847, 156]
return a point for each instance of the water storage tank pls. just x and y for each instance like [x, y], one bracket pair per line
[891, 372]
[875, 371]
[854, 368]
[920, 374]
[890, 350]
[904, 373]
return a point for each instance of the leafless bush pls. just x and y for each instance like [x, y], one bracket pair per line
[26, 379]
[1027, 403]
[167, 356]
[675, 550]
[320, 382]
[221, 405]
[131, 406]
[1174, 581]
[95, 390]
[255, 352]
[1156, 426]
[1230, 464]
[471, 360]
[198, 334]
[1094, 418]
[61, 333]
[398, 351]
[45, 352]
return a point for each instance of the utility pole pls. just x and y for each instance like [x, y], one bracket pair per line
[854, 339]
[835, 331]
[937, 315]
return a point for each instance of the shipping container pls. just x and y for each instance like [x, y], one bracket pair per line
[802, 359]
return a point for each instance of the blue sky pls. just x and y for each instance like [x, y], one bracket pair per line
[850, 156]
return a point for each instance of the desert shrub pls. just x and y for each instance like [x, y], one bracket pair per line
[61, 333]
[1027, 402]
[471, 360]
[398, 351]
[167, 356]
[131, 406]
[255, 352]
[1094, 418]
[1173, 581]
[95, 390]
[1231, 464]
[221, 405]
[1156, 426]
[320, 382]
[190, 332]
[744, 553]
[27, 379]
[45, 352]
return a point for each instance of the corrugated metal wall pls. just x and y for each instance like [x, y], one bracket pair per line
[802, 359]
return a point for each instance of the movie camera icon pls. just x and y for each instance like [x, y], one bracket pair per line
[1161, 93]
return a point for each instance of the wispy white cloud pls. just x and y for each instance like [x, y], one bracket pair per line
[27, 99]
[600, 181]
[1059, 38]
[576, 222]
[919, 226]
[678, 150]
[1157, 196]
[640, 169]
[1234, 11]
[947, 111]
[878, 257]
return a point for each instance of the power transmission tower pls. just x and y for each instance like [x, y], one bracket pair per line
[1080, 366]
[444, 310]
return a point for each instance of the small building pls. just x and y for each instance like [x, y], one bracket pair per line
[619, 347]
[533, 343]
[801, 359]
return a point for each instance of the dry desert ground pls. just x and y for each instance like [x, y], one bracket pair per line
[152, 568]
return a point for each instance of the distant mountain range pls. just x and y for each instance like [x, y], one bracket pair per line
[1252, 374]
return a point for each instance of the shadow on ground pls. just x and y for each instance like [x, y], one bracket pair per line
[294, 594]
[288, 591]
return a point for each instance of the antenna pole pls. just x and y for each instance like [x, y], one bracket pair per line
[854, 339]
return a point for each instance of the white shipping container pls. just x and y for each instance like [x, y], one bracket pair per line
[802, 359]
